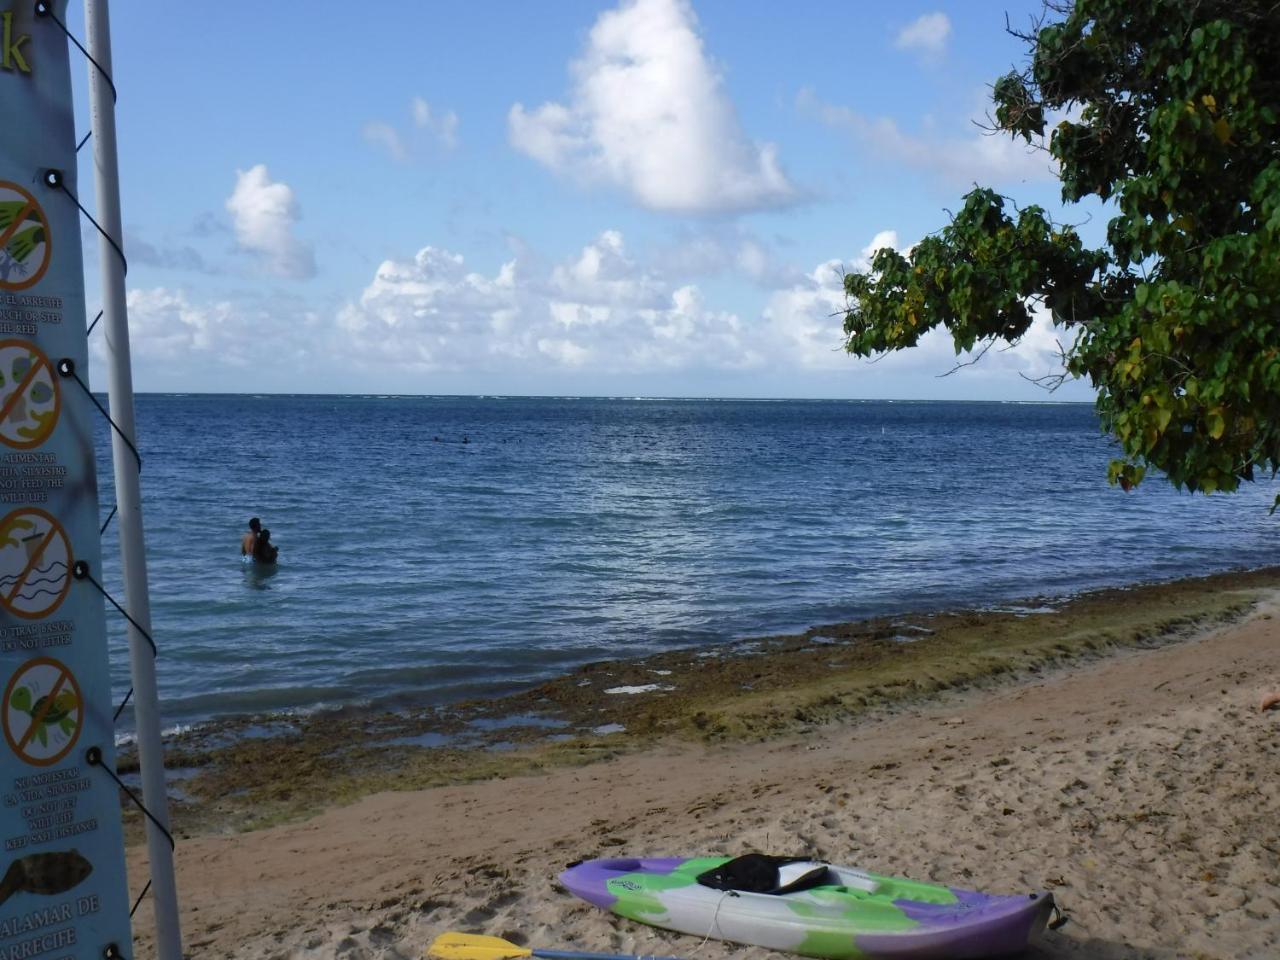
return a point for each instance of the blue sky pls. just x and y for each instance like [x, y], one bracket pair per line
[646, 197]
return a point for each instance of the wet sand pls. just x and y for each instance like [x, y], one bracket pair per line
[1112, 751]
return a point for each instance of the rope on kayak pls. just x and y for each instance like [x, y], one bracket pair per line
[715, 917]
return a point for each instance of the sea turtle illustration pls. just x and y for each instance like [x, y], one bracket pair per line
[58, 714]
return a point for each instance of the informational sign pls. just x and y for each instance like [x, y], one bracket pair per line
[63, 891]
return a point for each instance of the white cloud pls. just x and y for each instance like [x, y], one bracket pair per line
[164, 323]
[649, 113]
[806, 321]
[264, 213]
[387, 137]
[596, 314]
[167, 325]
[444, 126]
[927, 34]
[980, 157]
[604, 274]
[421, 112]
[597, 310]
[1040, 349]
[723, 248]
[885, 238]
[431, 313]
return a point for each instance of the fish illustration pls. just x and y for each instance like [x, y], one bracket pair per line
[45, 873]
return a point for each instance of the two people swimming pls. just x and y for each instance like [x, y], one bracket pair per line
[256, 545]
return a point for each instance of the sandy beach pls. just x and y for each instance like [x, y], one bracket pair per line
[1141, 787]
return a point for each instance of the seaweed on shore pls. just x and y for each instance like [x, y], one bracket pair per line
[252, 772]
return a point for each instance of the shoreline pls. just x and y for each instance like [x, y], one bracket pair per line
[249, 772]
[1132, 778]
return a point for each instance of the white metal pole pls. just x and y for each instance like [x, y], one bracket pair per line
[133, 561]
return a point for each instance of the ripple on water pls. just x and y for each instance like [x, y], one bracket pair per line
[573, 531]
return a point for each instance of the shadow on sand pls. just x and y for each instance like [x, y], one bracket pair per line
[1058, 946]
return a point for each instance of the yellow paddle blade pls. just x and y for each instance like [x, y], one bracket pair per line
[474, 946]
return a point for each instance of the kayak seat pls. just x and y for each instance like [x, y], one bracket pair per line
[762, 873]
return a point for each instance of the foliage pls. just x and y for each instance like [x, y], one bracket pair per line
[1172, 108]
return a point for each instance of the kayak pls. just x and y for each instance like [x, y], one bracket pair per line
[810, 908]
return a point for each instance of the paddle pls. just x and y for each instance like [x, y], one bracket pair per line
[475, 946]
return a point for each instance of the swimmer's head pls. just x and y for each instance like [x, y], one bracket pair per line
[255, 524]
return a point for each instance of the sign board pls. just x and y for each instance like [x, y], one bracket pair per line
[63, 891]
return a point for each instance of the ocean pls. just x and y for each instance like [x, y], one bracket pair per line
[438, 548]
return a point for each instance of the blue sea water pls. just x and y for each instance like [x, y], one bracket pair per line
[433, 548]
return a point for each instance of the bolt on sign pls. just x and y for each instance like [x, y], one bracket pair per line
[63, 889]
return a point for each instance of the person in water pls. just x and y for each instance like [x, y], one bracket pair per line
[249, 542]
[264, 551]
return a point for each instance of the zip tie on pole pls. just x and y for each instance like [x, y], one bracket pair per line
[67, 370]
[80, 570]
[45, 9]
[54, 181]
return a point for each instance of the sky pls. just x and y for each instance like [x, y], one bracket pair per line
[634, 198]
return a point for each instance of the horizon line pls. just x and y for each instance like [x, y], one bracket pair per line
[566, 396]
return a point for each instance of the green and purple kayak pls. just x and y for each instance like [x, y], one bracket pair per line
[839, 913]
